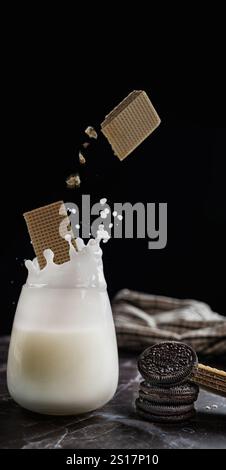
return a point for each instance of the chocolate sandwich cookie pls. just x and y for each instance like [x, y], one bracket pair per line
[162, 410]
[166, 419]
[168, 363]
[164, 413]
[183, 394]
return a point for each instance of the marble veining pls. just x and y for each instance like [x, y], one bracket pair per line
[114, 426]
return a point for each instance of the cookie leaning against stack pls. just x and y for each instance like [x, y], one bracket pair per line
[165, 396]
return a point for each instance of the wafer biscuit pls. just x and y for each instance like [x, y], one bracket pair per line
[130, 123]
[211, 372]
[43, 227]
[210, 378]
[212, 381]
[213, 386]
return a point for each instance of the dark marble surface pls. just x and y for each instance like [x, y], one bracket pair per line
[114, 426]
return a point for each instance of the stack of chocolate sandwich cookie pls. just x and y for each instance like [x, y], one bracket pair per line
[166, 395]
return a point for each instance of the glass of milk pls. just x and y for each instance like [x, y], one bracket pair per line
[63, 353]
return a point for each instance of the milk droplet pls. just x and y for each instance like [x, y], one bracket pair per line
[73, 210]
[110, 225]
[120, 217]
[114, 213]
[102, 234]
[103, 201]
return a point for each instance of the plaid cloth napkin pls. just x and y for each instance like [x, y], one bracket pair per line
[143, 319]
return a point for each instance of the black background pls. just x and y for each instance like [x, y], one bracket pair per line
[57, 83]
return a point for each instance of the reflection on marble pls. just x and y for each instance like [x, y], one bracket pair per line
[114, 426]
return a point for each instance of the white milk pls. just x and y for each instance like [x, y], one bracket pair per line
[63, 352]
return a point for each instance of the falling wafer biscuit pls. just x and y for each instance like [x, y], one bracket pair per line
[43, 227]
[130, 123]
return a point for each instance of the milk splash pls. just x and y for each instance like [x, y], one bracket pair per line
[83, 270]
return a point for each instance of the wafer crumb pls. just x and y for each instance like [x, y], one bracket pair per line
[82, 159]
[73, 181]
[90, 131]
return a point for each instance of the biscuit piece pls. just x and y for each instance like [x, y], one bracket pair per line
[73, 181]
[90, 131]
